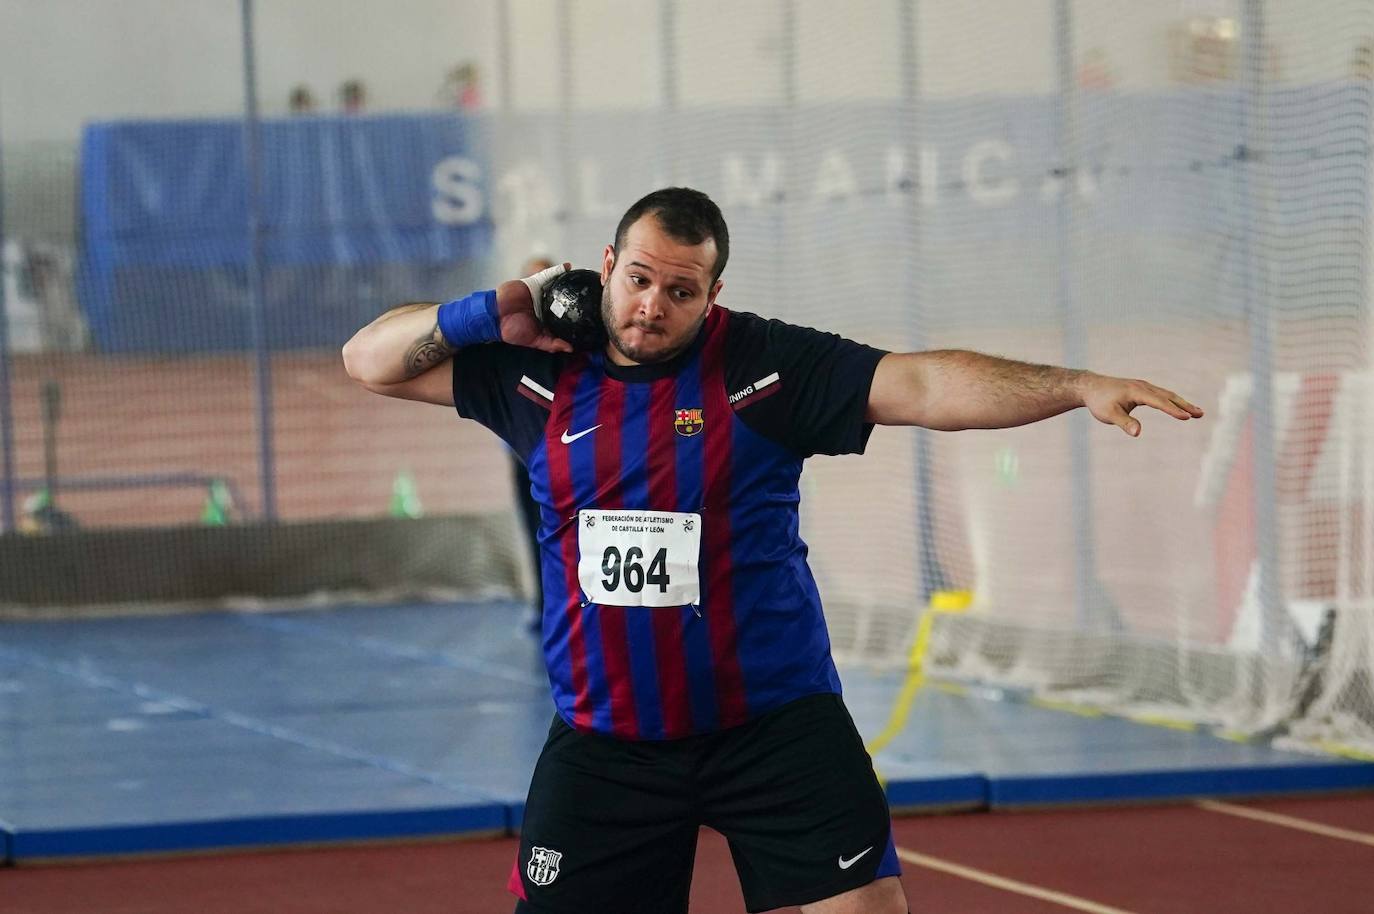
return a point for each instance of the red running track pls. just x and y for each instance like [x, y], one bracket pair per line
[1151, 860]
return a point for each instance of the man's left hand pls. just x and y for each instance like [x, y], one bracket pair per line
[1111, 400]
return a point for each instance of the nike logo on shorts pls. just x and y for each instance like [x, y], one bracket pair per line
[846, 864]
[569, 439]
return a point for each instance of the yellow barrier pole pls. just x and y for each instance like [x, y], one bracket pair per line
[941, 601]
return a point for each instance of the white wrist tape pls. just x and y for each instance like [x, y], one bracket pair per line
[538, 281]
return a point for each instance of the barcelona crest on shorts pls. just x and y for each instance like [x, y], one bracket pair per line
[688, 422]
[543, 865]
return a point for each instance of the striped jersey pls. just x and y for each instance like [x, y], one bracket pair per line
[677, 595]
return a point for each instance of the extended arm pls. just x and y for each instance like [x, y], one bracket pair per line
[951, 390]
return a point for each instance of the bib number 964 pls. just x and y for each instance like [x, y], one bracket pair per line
[630, 571]
[639, 558]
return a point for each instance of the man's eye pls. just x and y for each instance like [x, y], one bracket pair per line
[638, 280]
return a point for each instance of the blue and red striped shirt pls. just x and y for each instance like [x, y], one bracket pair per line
[719, 431]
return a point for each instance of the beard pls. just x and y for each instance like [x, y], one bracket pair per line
[639, 354]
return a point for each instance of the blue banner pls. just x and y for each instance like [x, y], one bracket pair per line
[363, 212]
[351, 207]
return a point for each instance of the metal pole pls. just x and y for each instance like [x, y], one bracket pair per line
[932, 572]
[667, 46]
[7, 484]
[567, 95]
[501, 132]
[783, 279]
[52, 414]
[1090, 600]
[257, 303]
[789, 55]
[1254, 289]
[503, 56]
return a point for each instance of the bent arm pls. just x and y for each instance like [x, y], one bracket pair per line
[395, 354]
[950, 390]
[402, 344]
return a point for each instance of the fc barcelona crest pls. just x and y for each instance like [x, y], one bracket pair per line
[688, 422]
[543, 866]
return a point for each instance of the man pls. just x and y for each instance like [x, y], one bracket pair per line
[683, 632]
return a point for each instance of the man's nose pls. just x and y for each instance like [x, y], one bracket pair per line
[651, 304]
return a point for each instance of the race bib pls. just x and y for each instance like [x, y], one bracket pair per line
[639, 558]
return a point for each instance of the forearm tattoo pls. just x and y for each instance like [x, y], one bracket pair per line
[426, 352]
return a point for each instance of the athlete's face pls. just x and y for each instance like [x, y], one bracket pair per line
[655, 294]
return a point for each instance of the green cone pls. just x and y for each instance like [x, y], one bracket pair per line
[219, 505]
[405, 497]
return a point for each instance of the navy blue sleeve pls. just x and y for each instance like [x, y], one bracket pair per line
[803, 388]
[508, 389]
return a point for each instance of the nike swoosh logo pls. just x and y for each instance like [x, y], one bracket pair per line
[846, 864]
[569, 439]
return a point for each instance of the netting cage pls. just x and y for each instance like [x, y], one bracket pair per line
[202, 200]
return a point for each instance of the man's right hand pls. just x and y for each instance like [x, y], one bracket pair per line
[515, 306]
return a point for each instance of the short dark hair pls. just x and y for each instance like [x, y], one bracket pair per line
[686, 215]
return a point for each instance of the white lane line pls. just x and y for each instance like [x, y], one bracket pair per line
[1007, 885]
[1274, 818]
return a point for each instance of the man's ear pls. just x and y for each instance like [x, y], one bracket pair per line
[607, 263]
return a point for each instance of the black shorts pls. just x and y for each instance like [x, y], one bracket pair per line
[611, 826]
